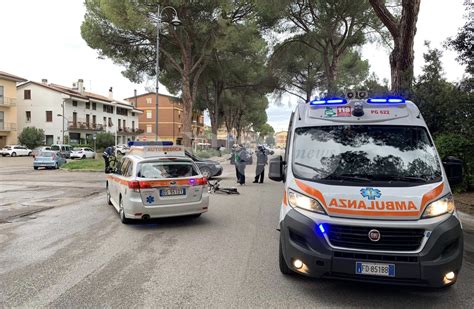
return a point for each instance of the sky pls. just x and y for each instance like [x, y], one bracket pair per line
[42, 39]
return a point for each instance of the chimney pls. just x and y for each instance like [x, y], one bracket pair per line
[135, 95]
[111, 94]
[44, 81]
[80, 86]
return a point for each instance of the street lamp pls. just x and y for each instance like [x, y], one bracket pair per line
[64, 118]
[175, 22]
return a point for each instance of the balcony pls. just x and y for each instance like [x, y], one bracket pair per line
[7, 102]
[85, 126]
[130, 131]
[7, 127]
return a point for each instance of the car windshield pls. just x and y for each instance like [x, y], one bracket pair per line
[76, 149]
[55, 147]
[354, 153]
[46, 154]
[160, 170]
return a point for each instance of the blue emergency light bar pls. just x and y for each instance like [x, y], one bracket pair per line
[151, 143]
[386, 100]
[328, 101]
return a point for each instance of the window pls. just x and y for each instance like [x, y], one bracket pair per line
[133, 125]
[94, 119]
[148, 128]
[94, 106]
[108, 109]
[1, 94]
[74, 103]
[124, 126]
[28, 116]
[148, 114]
[27, 94]
[119, 124]
[88, 105]
[74, 118]
[49, 116]
[110, 122]
[105, 121]
[122, 111]
[148, 101]
[160, 170]
[88, 118]
[133, 114]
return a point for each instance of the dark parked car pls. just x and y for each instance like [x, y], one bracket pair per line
[208, 168]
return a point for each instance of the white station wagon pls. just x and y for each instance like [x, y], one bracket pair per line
[156, 182]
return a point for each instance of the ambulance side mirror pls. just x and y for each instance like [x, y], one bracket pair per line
[453, 169]
[276, 169]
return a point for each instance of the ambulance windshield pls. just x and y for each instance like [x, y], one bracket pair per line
[347, 154]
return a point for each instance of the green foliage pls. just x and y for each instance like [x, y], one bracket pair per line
[452, 144]
[85, 165]
[104, 140]
[31, 137]
[449, 113]
[270, 140]
[462, 43]
[266, 130]
[373, 86]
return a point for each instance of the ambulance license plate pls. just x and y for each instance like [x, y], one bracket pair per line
[172, 192]
[375, 269]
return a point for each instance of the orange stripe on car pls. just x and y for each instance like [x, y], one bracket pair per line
[284, 199]
[431, 195]
[311, 191]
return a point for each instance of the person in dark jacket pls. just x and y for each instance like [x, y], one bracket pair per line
[108, 152]
[242, 157]
[262, 160]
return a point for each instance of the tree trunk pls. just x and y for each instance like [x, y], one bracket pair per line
[187, 112]
[403, 35]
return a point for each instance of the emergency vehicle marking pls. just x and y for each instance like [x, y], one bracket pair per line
[311, 191]
[374, 208]
[284, 199]
[150, 199]
[370, 193]
[431, 195]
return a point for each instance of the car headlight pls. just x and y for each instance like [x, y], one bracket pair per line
[439, 207]
[217, 165]
[299, 200]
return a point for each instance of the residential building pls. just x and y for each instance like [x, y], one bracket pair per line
[74, 112]
[170, 118]
[8, 110]
[280, 139]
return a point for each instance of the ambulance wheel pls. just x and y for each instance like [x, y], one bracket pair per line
[108, 196]
[122, 214]
[283, 266]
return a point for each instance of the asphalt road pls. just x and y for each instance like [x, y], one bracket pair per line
[78, 254]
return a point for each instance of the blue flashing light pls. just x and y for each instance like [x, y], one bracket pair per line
[321, 228]
[386, 100]
[151, 143]
[328, 101]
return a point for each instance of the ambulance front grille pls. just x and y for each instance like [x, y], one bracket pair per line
[391, 239]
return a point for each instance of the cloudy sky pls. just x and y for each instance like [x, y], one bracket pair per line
[41, 39]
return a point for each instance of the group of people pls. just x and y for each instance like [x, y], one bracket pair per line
[241, 157]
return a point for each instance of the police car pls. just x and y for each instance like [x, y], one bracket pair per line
[366, 196]
[155, 181]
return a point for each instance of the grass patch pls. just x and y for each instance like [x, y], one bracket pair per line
[87, 165]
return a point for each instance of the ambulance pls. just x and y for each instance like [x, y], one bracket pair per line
[156, 181]
[366, 195]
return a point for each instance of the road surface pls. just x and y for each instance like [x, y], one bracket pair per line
[78, 254]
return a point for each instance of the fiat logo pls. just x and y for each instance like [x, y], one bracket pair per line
[374, 235]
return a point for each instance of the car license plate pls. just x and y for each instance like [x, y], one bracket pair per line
[375, 269]
[172, 192]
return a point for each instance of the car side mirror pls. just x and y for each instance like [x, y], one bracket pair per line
[453, 169]
[276, 169]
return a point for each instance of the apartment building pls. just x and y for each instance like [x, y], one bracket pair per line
[280, 139]
[72, 115]
[8, 120]
[170, 122]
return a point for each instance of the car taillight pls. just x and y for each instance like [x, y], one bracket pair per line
[134, 185]
[201, 181]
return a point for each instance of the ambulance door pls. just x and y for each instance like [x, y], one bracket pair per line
[123, 178]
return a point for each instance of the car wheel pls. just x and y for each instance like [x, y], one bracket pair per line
[83, 156]
[56, 166]
[35, 167]
[206, 172]
[195, 216]
[13, 154]
[109, 202]
[124, 219]
[283, 266]
[29, 154]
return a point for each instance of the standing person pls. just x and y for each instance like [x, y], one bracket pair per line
[233, 155]
[262, 160]
[108, 152]
[241, 159]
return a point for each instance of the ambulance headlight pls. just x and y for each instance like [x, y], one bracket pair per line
[442, 206]
[298, 200]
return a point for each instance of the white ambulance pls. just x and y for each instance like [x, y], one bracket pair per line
[155, 181]
[366, 196]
